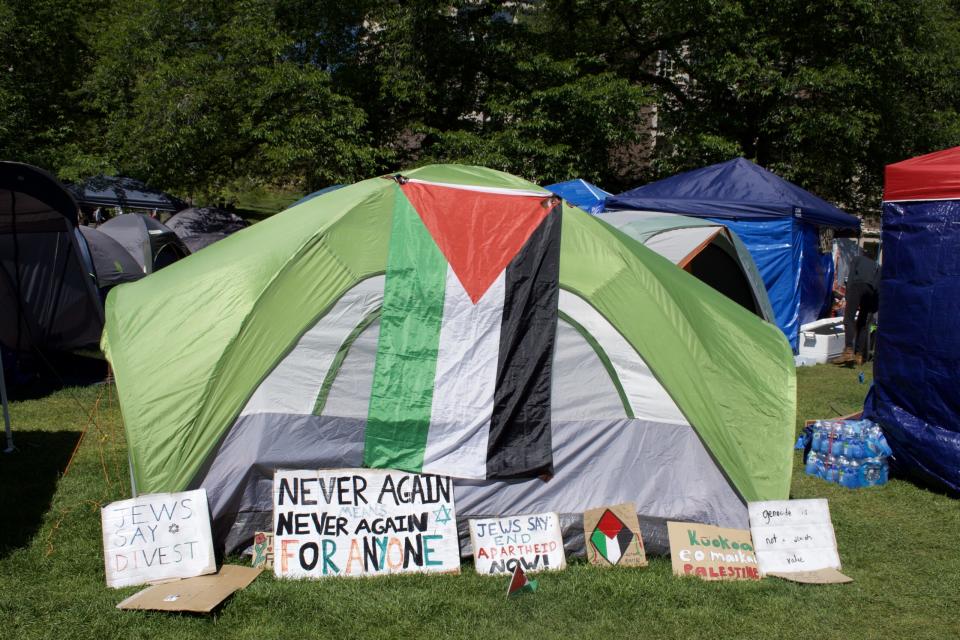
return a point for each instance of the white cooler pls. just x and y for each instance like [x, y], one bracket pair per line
[820, 341]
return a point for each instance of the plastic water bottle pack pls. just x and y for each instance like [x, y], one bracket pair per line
[851, 453]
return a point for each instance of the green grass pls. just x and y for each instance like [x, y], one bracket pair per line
[895, 541]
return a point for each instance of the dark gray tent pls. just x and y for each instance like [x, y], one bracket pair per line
[199, 227]
[47, 298]
[151, 243]
[112, 264]
[124, 193]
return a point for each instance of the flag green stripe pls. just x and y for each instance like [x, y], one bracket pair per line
[600, 542]
[401, 398]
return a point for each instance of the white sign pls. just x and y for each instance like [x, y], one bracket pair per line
[359, 522]
[157, 537]
[792, 536]
[532, 542]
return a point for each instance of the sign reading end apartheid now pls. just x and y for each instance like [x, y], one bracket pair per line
[712, 553]
[531, 542]
[613, 536]
[362, 522]
[157, 537]
[795, 540]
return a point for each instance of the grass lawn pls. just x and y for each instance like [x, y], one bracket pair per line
[893, 541]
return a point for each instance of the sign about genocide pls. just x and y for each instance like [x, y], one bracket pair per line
[157, 537]
[532, 542]
[795, 536]
[362, 522]
[613, 536]
[712, 553]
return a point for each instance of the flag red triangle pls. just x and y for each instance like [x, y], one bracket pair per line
[478, 233]
[517, 581]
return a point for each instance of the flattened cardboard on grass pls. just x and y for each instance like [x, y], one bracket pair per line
[197, 595]
[157, 537]
[712, 553]
[533, 542]
[613, 536]
[795, 541]
[263, 550]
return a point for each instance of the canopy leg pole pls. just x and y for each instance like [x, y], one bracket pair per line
[6, 410]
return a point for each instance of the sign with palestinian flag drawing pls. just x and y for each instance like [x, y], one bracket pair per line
[613, 536]
[461, 383]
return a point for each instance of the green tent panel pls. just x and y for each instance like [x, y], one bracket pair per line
[282, 347]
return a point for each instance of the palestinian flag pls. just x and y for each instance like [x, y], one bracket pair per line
[520, 583]
[611, 538]
[461, 383]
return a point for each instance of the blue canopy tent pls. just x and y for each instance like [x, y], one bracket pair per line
[581, 193]
[777, 220]
[914, 395]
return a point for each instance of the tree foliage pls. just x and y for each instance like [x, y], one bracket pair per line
[195, 95]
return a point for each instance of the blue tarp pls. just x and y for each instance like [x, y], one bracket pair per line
[581, 193]
[777, 221]
[914, 395]
[737, 189]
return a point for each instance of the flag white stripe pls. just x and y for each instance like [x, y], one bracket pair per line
[503, 191]
[465, 380]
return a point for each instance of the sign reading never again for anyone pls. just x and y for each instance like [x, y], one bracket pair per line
[157, 537]
[356, 522]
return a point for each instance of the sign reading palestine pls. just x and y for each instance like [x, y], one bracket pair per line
[712, 553]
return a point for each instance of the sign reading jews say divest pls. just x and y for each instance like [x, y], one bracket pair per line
[532, 542]
[157, 537]
[359, 522]
[712, 553]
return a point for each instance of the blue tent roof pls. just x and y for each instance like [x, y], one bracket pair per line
[581, 193]
[737, 189]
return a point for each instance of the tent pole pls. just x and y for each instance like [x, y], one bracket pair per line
[6, 410]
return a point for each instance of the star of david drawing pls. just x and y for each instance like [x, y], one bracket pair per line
[442, 515]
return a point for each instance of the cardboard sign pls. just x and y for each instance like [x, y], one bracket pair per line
[531, 542]
[613, 536]
[263, 549]
[197, 595]
[712, 553]
[360, 522]
[157, 537]
[795, 537]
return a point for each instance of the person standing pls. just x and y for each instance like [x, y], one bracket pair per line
[862, 301]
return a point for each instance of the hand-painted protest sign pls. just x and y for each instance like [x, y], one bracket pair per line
[795, 537]
[359, 522]
[613, 536]
[263, 549]
[712, 553]
[157, 537]
[532, 542]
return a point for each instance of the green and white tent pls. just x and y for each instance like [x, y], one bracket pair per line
[459, 321]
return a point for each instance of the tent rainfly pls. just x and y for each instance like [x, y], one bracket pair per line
[200, 227]
[707, 250]
[581, 193]
[151, 243]
[48, 300]
[458, 321]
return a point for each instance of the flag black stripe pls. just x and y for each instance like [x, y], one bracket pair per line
[520, 443]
